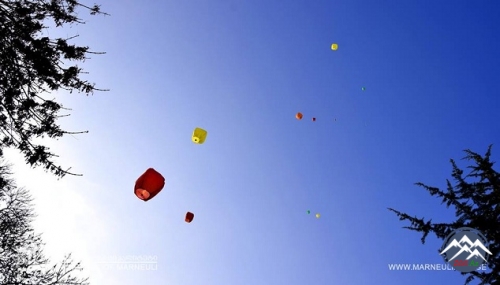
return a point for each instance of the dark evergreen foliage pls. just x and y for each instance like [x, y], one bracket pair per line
[32, 65]
[477, 205]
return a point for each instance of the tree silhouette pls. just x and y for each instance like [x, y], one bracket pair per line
[21, 253]
[32, 65]
[477, 206]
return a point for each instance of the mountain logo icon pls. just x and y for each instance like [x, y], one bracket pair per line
[465, 249]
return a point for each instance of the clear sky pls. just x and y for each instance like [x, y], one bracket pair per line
[241, 70]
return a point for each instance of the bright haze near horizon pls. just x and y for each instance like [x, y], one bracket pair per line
[242, 70]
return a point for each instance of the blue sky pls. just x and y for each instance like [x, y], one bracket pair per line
[241, 70]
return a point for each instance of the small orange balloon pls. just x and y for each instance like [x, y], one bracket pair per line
[314, 119]
[299, 116]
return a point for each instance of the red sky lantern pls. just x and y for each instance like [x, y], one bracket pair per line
[149, 185]
[189, 217]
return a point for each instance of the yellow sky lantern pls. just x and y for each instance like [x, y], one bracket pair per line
[199, 136]
[317, 216]
[335, 46]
